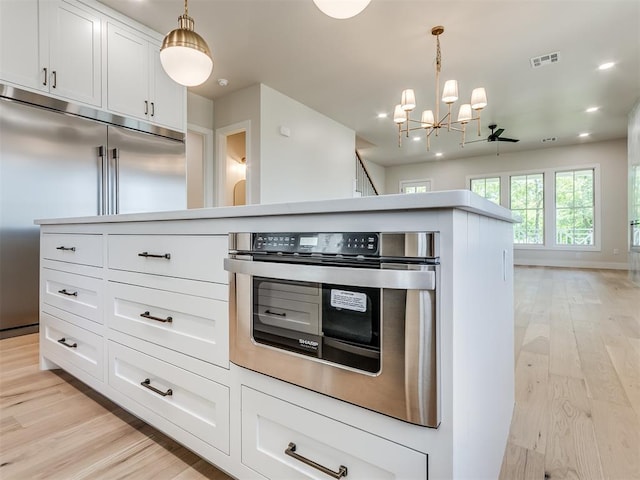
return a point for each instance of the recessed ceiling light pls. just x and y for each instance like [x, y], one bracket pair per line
[382, 115]
[416, 139]
[592, 109]
[584, 134]
[606, 66]
[439, 154]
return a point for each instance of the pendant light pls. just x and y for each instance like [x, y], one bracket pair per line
[184, 55]
[341, 9]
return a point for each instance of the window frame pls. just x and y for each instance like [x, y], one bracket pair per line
[415, 183]
[549, 207]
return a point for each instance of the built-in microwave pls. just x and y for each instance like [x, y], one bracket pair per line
[352, 315]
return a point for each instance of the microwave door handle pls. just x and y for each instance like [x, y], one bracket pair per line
[421, 375]
[357, 277]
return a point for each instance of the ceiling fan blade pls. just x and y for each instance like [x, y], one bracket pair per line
[475, 141]
[505, 139]
[498, 132]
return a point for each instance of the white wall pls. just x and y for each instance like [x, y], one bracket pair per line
[316, 161]
[378, 175]
[199, 151]
[610, 155]
[199, 111]
[634, 165]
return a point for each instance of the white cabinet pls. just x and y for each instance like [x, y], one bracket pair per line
[195, 404]
[283, 440]
[137, 86]
[52, 46]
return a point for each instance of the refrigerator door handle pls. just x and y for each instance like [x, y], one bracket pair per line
[116, 180]
[102, 184]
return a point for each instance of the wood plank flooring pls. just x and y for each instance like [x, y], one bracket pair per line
[52, 426]
[577, 349]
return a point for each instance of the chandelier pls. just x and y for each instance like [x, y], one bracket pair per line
[430, 122]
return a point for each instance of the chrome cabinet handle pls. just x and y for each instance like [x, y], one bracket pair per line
[63, 341]
[146, 107]
[291, 451]
[46, 75]
[283, 314]
[153, 109]
[151, 255]
[66, 249]
[151, 317]
[55, 79]
[147, 384]
[70, 294]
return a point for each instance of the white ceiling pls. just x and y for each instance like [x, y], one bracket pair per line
[351, 70]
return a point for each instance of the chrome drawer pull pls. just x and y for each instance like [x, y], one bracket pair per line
[151, 317]
[70, 294]
[151, 255]
[63, 341]
[147, 384]
[291, 451]
[66, 249]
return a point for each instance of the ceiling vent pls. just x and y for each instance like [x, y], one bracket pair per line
[546, 59]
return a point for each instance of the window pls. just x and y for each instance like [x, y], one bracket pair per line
[574, 207]
[527, 200]
[559, 208]
[488, 188]
[415, 186]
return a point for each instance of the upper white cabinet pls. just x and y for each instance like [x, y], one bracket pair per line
[52, 46]
[137, 85]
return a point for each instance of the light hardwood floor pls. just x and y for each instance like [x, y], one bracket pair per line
[577, 348]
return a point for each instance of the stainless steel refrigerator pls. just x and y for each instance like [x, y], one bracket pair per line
[60, 160]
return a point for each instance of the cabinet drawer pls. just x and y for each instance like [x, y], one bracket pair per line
[67, 343]
[194, 326]
[193, 403]
[271, 425]
[73, 248]
[183, 256]
[77, 294]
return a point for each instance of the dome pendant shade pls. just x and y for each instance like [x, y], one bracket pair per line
[185, 55]
[341, 9]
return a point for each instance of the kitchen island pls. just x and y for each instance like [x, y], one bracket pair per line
[137, 307]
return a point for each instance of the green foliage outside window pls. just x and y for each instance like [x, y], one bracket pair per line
[574, 207]
[488, 188]
[527, 201]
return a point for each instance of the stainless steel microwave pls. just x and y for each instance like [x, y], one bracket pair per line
[353, 315]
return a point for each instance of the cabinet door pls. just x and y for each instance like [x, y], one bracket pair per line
[20, 55]
[74, 52]
[168, 97]
[127, 73]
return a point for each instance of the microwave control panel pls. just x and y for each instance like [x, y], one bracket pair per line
[345, 243]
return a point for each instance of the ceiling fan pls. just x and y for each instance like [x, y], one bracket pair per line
[495, 136]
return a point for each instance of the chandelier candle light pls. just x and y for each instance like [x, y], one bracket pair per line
[432, 123]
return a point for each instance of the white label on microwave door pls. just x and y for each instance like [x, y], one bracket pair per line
[349, 300]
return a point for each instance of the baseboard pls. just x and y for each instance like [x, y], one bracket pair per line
[572, 264]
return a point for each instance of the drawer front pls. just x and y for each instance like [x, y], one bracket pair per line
[65, 342]
[193, 403]
[182, 256]
[77, 294]
[73, 248]
[271, 426]
[194, 326]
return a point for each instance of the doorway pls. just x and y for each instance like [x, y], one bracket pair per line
[233, 162]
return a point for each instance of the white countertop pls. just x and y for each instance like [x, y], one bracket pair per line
[460, 199]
